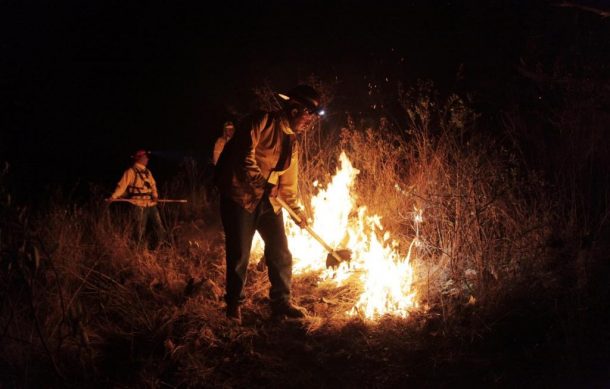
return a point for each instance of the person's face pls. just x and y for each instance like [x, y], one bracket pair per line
[229, 131]
[301, 120]
[143, 160]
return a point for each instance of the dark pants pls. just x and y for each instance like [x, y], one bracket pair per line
[143, 216]
[239, 226]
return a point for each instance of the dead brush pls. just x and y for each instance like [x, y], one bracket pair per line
[485, 221]
[82, 304]
[78, 296]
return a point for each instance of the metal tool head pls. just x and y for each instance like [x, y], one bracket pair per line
[344, 255]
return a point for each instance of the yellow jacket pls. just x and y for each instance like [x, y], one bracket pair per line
[138, 184]
[249, 162]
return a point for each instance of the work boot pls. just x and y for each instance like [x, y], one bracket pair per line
[234, 312]
[286, 308]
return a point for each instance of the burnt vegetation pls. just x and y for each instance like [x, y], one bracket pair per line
[511, 278]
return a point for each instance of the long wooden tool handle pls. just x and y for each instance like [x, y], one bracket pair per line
[309, 229]
[158, 201]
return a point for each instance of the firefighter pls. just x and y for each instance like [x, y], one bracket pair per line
[258, 164]
[227, 133]
[138, 185]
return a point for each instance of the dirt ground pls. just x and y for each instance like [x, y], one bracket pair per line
[529, 341]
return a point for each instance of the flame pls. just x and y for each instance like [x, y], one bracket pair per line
[386, 277]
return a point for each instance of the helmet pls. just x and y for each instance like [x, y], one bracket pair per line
[306, 96]
[140, 153]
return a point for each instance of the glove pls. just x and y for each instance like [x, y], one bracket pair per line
[303, 222]
[271, 190]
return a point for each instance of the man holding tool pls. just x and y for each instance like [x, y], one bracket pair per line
[257, 165]
[140, 188]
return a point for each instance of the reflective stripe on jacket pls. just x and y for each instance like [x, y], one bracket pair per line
[249, 161]
[138, 184]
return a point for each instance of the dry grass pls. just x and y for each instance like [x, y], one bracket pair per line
[486, 223]
[80, 304]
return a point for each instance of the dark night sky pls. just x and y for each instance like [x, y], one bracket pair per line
[86, 83]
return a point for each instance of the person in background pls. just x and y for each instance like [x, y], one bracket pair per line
[227, 133]
[138, 186]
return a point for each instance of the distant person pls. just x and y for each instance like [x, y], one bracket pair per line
[227, 133]
[257, 165]
[139, 187]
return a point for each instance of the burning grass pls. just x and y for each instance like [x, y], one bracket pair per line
[376, 267]
[447, 229]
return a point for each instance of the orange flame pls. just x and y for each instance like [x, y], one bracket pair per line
[386, 277]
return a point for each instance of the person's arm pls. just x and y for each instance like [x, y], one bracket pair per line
[288, 188]
[247, 141]
[124, 182]
[153, 183]
[218, 147]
